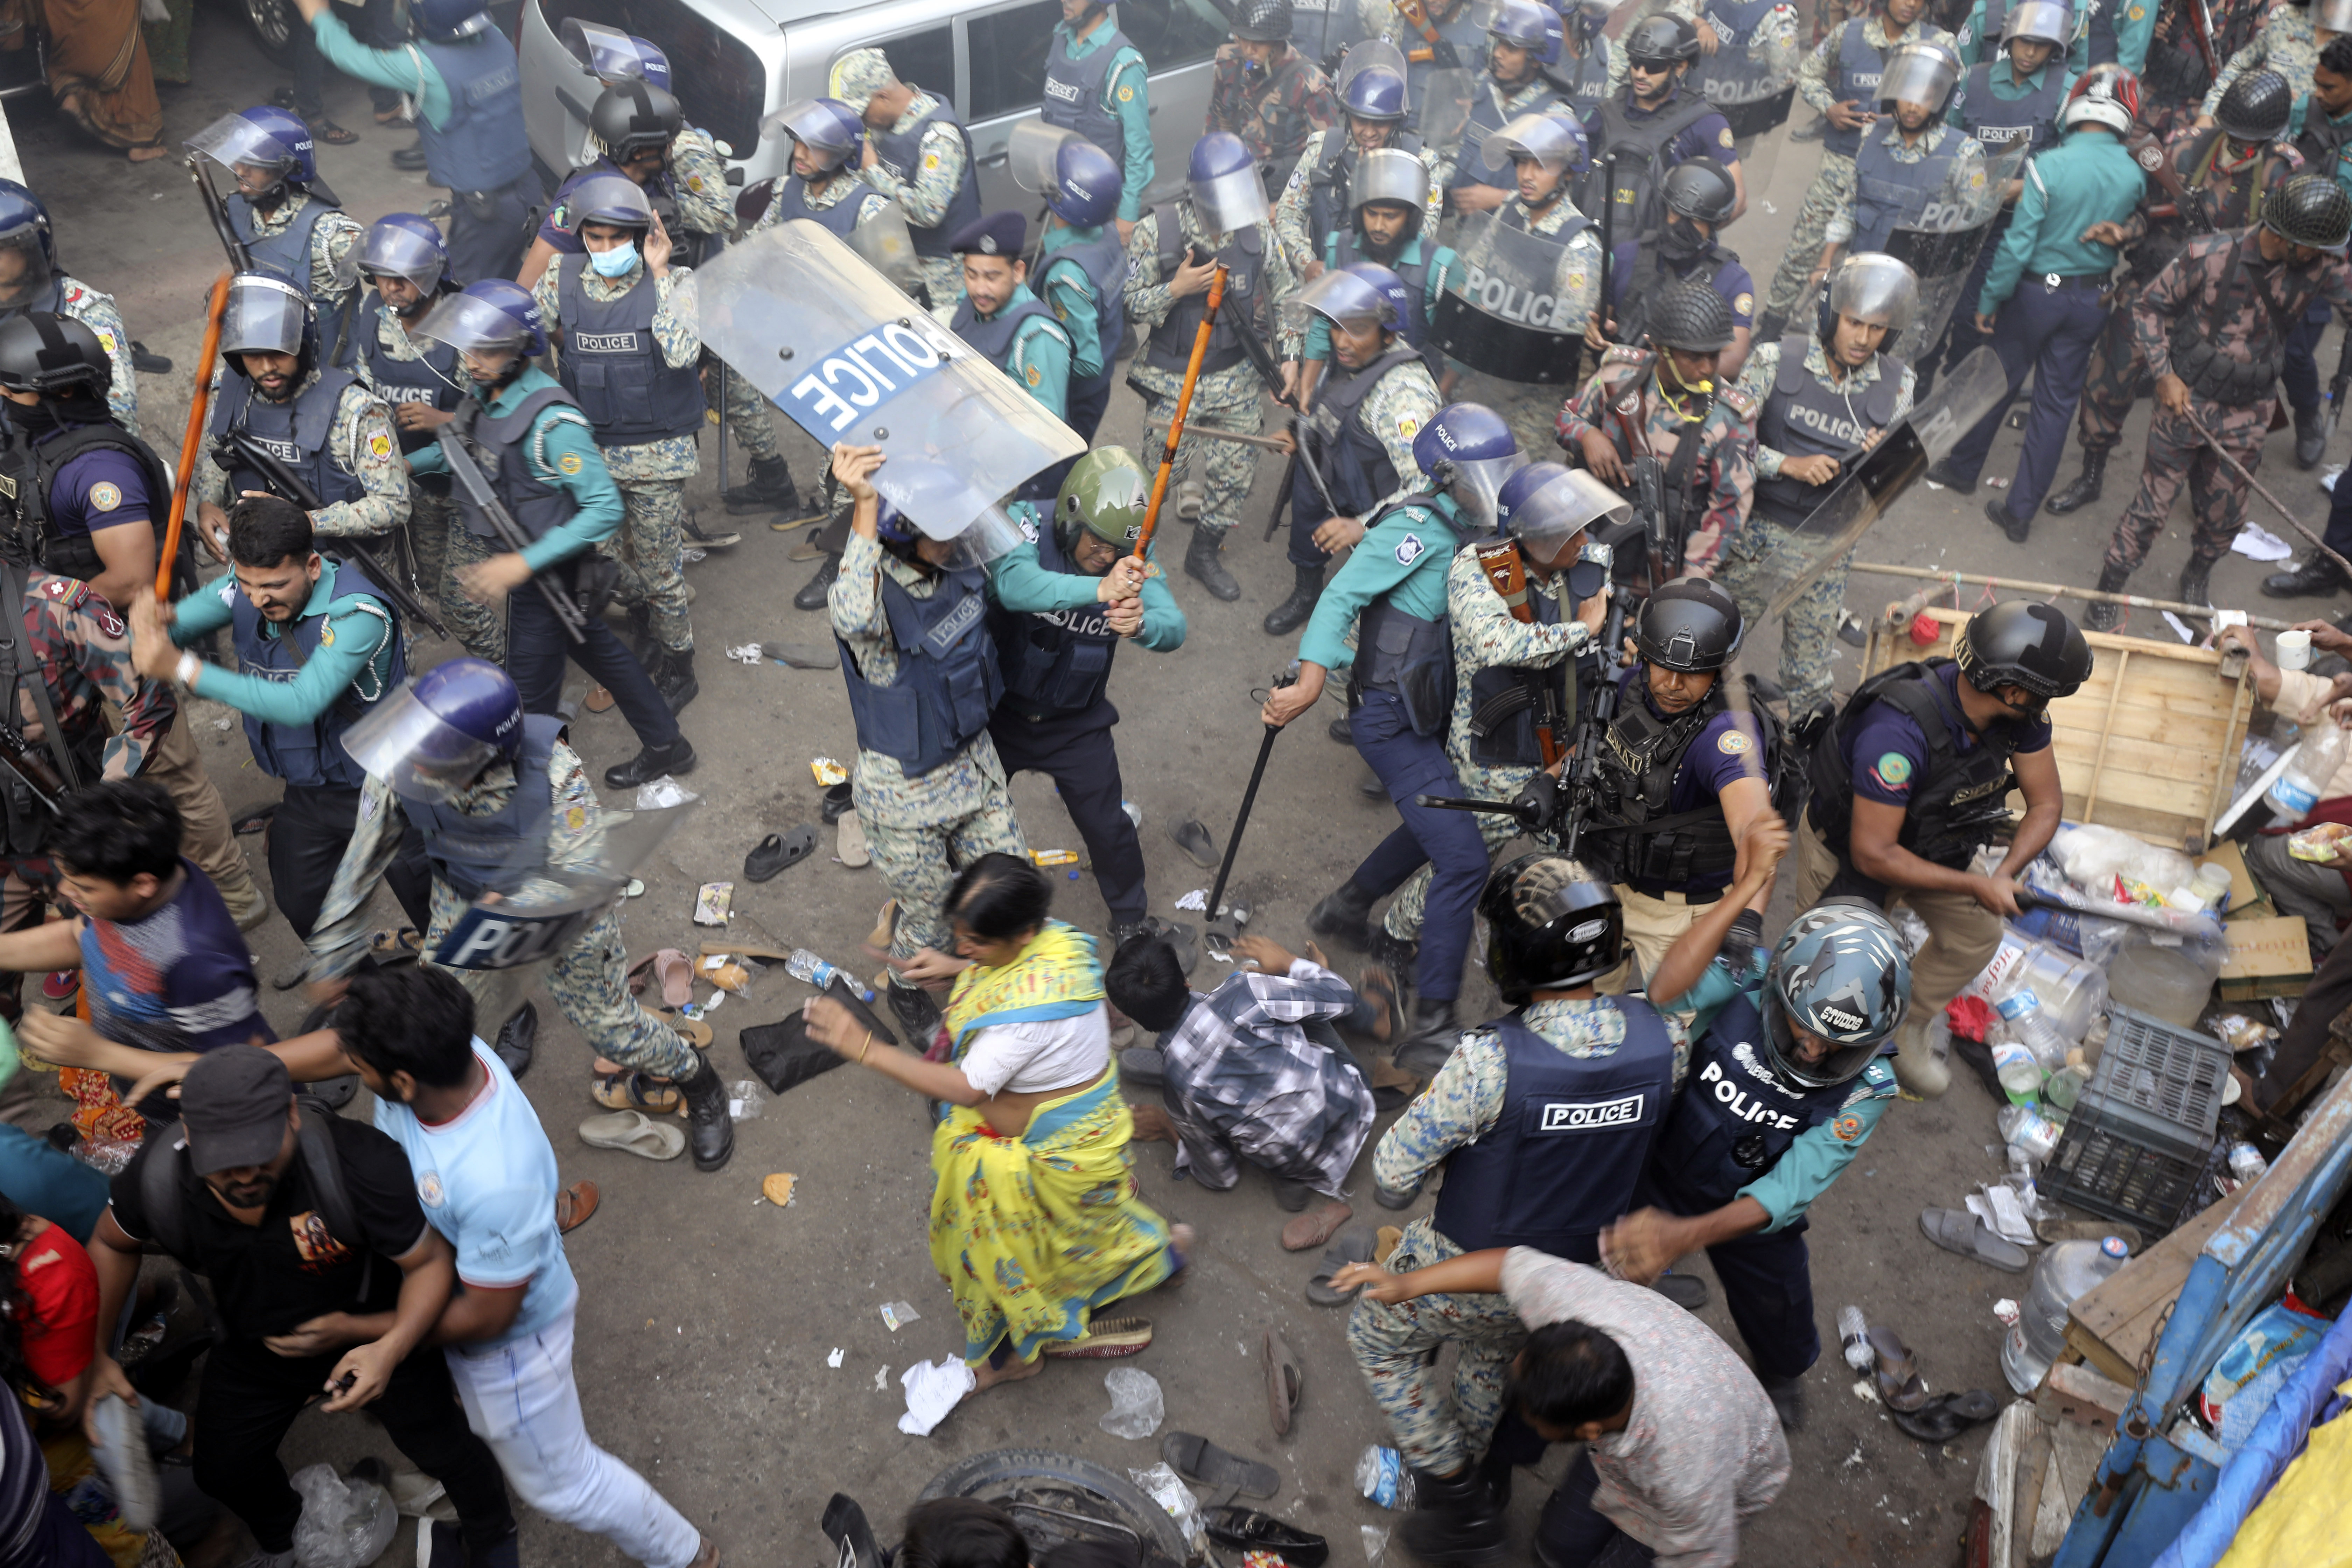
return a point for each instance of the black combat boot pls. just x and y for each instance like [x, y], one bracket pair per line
[2310, 437]
[2316, 577]
[1292, 613]
[1431, 1035]
[2103, 616]
[674, 677]
[1997, 514]
[1455, 1520]
[769, 488]
[1344, 915]
[2196, 580]
[1201, 561]
[1343, 731]
[2086, 487]
[650, 763]
[813, 592]
[709, 1130]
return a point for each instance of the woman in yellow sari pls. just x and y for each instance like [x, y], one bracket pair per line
[1035, 1223]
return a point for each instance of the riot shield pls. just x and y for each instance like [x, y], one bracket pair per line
[824, 336]
[1032, 155]
[1442, 110]
[1506, 311]
[1940, 247]
[1752, 82]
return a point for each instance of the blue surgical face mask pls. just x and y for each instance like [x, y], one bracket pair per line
[613, 263]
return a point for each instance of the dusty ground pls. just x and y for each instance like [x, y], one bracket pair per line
[704, 1341]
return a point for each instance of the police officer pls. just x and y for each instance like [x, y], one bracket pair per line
[1908, 784]
[2090, 35]
[319, 647]
[1552, 929]
[918, 152]
[406, 269]
[628, 353]
[1783, 1090]
[2321, 128]
[1659, 120]
[1827, 397]
[1523, 38]
[1682, 775]
[924, 684]
[1392, 593]
[1366, 412]
[497, 794]
[537, 450]
[2209, 326]
[293, 222]
[1170, 258]
[1749, 46]
[1698, 199]
[1316, 204]
[1096, 84]
[31, 279]
[1267, 93]
[461, 72]
[313, 416]
[1840, 78]
[2301, 373]
[1063, 600]
[997, 314]
[640, 135]
[2217, 178]
[1080, 273]
[1452, 23]
[1666, 405]
[1389, 225]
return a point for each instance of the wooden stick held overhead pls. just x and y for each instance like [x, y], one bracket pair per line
[183, 483]
[1183, 408]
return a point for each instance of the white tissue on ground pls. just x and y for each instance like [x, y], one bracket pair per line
[933, 1389]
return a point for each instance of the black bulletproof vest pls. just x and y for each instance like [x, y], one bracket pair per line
[1403, 655]
[1056, 663]
[497, 444]
[1647, 286]
[1640, 148]
[1503, 700]
[1802, 418]
[1633, 837]
[1411, 264]
[29, 469]
[430, 379]
[994, 337]
[1956, 805]
[1353, 460]
[299, 432]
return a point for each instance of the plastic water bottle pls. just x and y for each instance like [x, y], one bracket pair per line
[2309, 771]
[1853, 1338]
[2022, 1011]
[2020, 1074]
[2067, 1271]
[2024, 1128]
[806, 965]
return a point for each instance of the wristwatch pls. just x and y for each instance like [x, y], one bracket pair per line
[185, 672]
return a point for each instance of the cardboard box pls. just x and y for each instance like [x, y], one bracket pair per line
[2268, 957]
[2247, 899]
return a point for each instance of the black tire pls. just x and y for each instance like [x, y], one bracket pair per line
[273, 23]
[1043, 1479]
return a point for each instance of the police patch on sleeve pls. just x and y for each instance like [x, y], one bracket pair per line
[930, 160]
[1892, 769]
[380, 444]
[1033, 374]
[1846, 1128]
[1743, 305]
[105, 495]
[106, 342]
[1408, 426]
[1724, 136]
[1732, 743]
[1409, 548]
[327, 635]
[1126, 95]
[569, 462]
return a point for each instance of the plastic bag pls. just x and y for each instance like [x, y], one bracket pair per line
[1382, 1475]
[1136, 1409]
[344, 1525]
[1166, 1488]
[663, 792]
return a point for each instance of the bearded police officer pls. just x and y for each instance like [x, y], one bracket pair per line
[998, 315]
[1698, 200]
[31, 279]
[1389, 227]
[1062, 601]
[1318, 204]
[1395, 584]
[1908, 784]
[1521, 1170]
[1096, 85]
[1170, 258]
[1522, 39]
[1658, 122]
[293, 222]
[1080, 273]
[1267, 93]
[918, 152]
[1827, 397]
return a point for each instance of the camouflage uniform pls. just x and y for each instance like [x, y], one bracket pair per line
[926, 196]
[434, 518]
[1524, 98]
[362, 444]
[1810, 623]
[2175, 64]
[334, 275]
[1295, 208]
[2285, 44]
[1532, 411]
[1485, 637]
[98, 312]
[1221, 400]
[652, 475]
[1623, 396]
[921, 830]
[589, 980]
[1273, 117]
[706, 207]
[1396, 1346]
[1832, 191]
[2116, 375]
[2193, 287]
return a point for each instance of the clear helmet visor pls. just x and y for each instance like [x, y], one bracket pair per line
[264, 315]
[1570, 504]
[1875, 288]
[1919, 76]
[607, 52]
[612, 199]
[24, 270]
[1339, 296]
[2046, 21]
[1393, 175]
[1033, 155]
[1538, 136]
[232, 140]
[415, 750]
[1229, 203]
[937, 502]
[811, 124]
[1361, 56]
[472, 326]
[394, 252]
[1476, 483]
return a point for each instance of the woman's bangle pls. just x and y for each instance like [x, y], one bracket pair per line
[869, 1049]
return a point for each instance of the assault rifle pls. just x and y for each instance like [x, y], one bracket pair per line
[1436, 49]
[25, 759]
[470, 479]
[1508, 574]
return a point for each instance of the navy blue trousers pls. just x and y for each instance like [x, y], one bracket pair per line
[2301, 370]
[1768, 1286]
[1074, 751]
[1571, 1533]
[537, 646]
[1408, 765]
[2338, 532]
[2051, 333]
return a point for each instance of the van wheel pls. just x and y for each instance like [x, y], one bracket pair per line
[274, 22]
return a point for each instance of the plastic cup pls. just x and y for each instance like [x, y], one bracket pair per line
[2294, 650]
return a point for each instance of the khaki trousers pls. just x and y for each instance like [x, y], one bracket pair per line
[1652, 926]
[205, 837]
[1962, 932]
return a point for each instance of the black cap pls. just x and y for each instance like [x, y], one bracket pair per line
[233, 1105]
[991, 234]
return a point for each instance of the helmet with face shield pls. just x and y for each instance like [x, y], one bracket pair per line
[407, 247]
[920, 498]
[267, 138]
[1836, 989]
[433, 739]
[1554, 140]
[1875, 287]
[1526, 24]
[28, 251]
[264, 315]
[1394, 175]
[1223, 181]
[1547, 507]
[492, 316]
[1362, 294]
[1468, 450]
[827, 127]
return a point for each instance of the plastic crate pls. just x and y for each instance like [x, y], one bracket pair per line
[2102, 1170]
[2158, 1085]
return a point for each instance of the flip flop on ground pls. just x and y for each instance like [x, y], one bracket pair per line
[1198, 1460]
[634, 1133]
[1285, 1383]
[1106, 1338]
[573, 1205]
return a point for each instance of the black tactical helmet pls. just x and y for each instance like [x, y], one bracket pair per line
[2310, 210]
[1702, 189]
[1551, 923]
[2256, 107]
[2023, 643]
[1662, 40]
[632, 117]
[1693, 318]
[1262, 21]
[1689, 625]
[44, 353]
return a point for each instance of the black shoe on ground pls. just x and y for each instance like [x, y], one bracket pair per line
[2086, 487]
[1939, 472]
[2310, 437]
[517, 1036]
[1202, 562]
[709, 1130]
[1788, 1397]
[2103, 616]
[650, 763]
[918, 1016]
[409, 158]
[1343, 915]
[1292, 613]
[1455, 1520]
[769, 488]
[1431, 1035]
[2196, 582]
[2318, 575]
[813, 592]
[839, 803]
[1997, 513]
[674, 677]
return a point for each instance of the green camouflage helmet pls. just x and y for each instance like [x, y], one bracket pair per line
[1107, 492]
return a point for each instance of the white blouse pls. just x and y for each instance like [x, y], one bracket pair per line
[1033, 1056]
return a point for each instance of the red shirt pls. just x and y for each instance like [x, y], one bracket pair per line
[61, 1307]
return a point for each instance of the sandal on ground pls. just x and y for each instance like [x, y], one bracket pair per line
[1246, 1530]
[634, 1132]
[695, 1032]
[779, 852]
[1957, 1230]
[1316, 1229]
[1195, 838]
[59, 985]
[599, 700]
[849, 845]
[1386, 1242]
[573, 1205]
[1352, 1246]
[325, 129]
[1285, 1380]
[1393, 1086]
[1106, 1338]
[631, 1090]
[1947, 1416]
[676, 974]
[395, 944]
[1899, 1385]
[1198, 1460]
[1687, 1291]
[839, 800]
[1379, 987]
[885, 930]
[804, 655]
[245, 826]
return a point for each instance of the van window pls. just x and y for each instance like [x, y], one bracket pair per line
[1172, 33]
[926, 58]
[1007, 50]
[720, 83]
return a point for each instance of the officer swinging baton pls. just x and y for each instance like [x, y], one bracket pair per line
[2241, 471]
[1249, 798]
[1183, 408]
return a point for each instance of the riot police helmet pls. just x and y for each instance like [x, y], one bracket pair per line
[1107, 494]
[24, 229]
[403, 244]
[1836, 990]
[1688, 624]
[1362, 294]
[1222, 182]
[1552, 923]
[2256, 108]
[2026, 643]
[435, 736]
[1700, 189]
[269, 139]
[1086, 185]
[1666, 41]
[264, 314]
[1528, 26]
[489, 316]
[2104, 95]
[46, 352]
[928, 503]
[1375, 94]
[1468, 450]
[1694, 318]
[615, 200]
[1390, 174]
[2331, 15]
[1262, 21]
[825, 126]
[1547, 506]
[2310, 210]
[2040, 21]
[446, 21]
[1920, 71]
[633, 118]
[1554, 139]
[1876, 288]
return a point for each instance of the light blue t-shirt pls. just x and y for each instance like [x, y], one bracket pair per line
[487, 1179]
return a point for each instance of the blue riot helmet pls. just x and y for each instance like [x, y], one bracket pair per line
[653, 64]
[614, 199]
[1841, 978]
[1222, 182]
[1527, 25]
[435, 736]
[918, 497]
[825, 126]
[446, 21]
[1086, 185]
[24, 230]
[1375, 93]
[1586, 18]
[266, 138]
[1554, 140]
[266, 315]
[1547, 507]
[1357, 296]
[492, 316]
[404, 245]
[1468, 451]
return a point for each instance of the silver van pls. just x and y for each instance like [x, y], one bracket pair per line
[732, 61]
